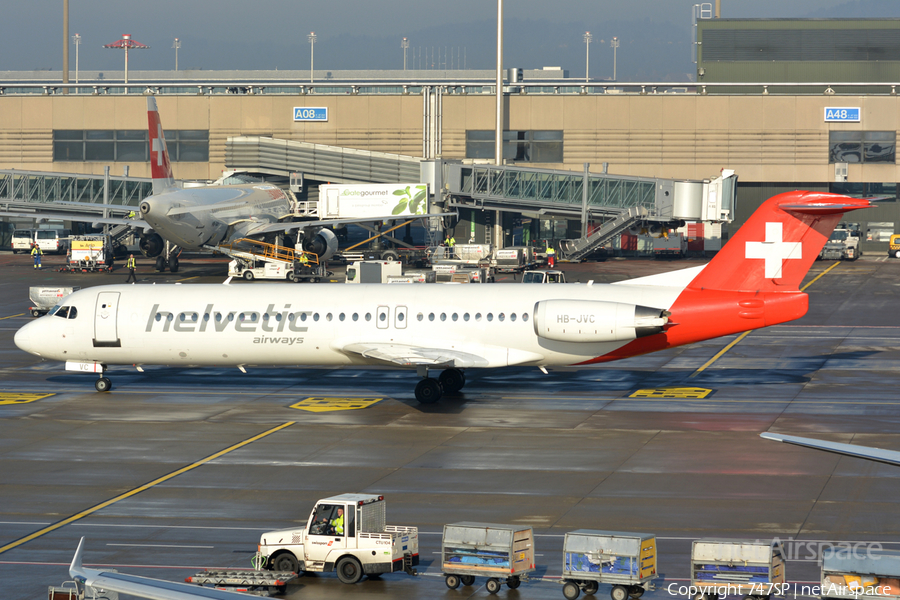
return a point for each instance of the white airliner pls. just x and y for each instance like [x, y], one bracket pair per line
[140, 587]
[752, 282]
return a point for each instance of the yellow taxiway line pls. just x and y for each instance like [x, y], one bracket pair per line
[746, 333]
[12, 316]
[139, 489]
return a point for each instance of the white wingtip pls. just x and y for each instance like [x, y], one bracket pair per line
[227, 281]
[75, 568]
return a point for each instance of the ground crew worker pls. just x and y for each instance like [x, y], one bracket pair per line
[338, 523]
[130, 265]
[131, 214]
[450, 241]
[551, 256]
[303, 260]
[36, 253]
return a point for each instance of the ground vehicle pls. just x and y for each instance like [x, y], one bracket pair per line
[373, 271]
[749, 567]
[53, 240]
[413, 277]
[894, 247]
[89, 253]
[498, 551]
[45, 298]
[22, 239]
[847, 574]
[672, 246]
[543, 276]
[456, 273]
[514, 259]
[843, 243]
[625, 560]
[366, 547]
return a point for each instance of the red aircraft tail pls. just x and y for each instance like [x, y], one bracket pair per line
[774, 249]
[160, 167]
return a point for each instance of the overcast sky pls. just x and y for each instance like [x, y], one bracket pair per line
[655, 35]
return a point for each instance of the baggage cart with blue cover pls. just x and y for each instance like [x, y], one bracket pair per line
[500, 552]
[627, 561]
[853, 573]
[753, 568]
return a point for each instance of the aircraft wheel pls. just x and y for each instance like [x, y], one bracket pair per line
[248, 275]
[160, 263]
[467, 579]
[428, 391]
[103, 384]
[452, 581]
[173, 264]
[452, 380]
[571, 591]
[348, 570]
[285, 562]
[492, 585]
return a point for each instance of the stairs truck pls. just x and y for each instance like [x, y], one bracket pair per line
[346, 534]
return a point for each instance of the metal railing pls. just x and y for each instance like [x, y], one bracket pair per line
[448, 87]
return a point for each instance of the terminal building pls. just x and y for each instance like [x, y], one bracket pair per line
[786, 104]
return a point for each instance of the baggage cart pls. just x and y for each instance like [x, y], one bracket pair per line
[752, 568]
[627, 561]
[499, 552]
[45, 298]
[853, 573]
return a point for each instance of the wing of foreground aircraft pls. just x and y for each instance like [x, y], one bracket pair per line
[143, 587]
[888, 457]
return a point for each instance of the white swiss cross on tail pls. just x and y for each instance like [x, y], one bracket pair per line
[774, 250]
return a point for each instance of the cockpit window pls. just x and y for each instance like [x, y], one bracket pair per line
[73, 312]
[53, 310]
[63, 312]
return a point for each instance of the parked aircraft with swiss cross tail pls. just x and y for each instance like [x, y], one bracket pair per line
[205, 218]
[752, 282]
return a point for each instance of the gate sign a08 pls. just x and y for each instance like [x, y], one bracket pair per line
[841, 114]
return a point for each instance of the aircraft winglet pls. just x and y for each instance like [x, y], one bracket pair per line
[75, 569]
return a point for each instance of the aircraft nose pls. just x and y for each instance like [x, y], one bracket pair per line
[26, 339]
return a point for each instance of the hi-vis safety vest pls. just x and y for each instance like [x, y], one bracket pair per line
[130, 264]
[338, 525]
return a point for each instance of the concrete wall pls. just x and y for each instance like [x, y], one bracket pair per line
[766, 139]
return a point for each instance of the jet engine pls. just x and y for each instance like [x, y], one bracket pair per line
[592, 321]
[152, 245]
[322, 243]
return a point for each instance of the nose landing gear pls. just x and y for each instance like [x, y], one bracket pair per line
[103, 384]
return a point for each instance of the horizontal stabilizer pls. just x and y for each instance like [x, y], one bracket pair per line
[889, 457]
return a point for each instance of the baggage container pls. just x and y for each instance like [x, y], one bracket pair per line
[752, 568]
[851, 574]
[627, 561]
[486, 549]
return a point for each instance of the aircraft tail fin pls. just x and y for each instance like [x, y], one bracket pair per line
[775, 248]
[160, 167]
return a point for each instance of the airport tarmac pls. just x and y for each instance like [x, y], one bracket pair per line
[564, 451]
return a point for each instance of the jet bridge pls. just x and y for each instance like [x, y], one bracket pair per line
[622, 203]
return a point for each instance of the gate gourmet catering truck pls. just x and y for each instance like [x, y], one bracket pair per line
[347, 534]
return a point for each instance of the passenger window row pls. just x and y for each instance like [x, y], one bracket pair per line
[253, 317]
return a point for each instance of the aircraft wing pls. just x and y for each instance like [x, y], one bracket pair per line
[81, 217]
[888, 457]
[287, 227]
[143, 587]
[410, 356]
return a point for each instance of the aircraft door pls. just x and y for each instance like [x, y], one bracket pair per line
[106, 332]
[383, 317]
[400, 317]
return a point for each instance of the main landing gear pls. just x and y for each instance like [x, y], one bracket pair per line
[429, 391]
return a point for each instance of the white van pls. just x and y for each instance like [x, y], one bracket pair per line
[53, 240]
[22, 240]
